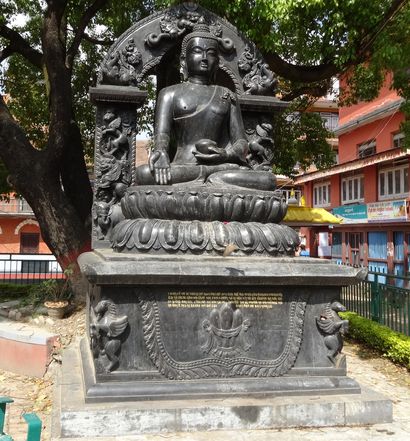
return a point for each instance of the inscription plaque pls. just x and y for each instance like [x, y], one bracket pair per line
[186, 299]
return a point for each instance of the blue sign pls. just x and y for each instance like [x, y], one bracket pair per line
[351, 214]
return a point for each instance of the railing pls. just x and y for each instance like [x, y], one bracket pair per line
[15, 205]
[384, 298]
[29, 268]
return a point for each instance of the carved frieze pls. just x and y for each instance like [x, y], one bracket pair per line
[113, 168]
[106, 328]
[219, 364]
[331, 327]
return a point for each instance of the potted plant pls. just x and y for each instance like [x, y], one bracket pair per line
[55, 295]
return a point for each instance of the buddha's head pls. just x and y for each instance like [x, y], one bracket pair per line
[200, 54]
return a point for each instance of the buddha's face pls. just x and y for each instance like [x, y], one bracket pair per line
[202, 57]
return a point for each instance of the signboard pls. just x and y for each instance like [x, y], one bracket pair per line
[389, 211]
[351, 214]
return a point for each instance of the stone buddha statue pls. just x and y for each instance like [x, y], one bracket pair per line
[204, 121]
[199, 193]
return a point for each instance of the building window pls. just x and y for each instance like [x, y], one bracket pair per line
[330, 120]
[352, 189]
[321, 194]
[394, 182]
[29, 243]
[366, 149]
[398, 140]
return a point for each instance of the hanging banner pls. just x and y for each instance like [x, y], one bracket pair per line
[351, 214]
[389, 211]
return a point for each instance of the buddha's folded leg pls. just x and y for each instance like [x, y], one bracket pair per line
[259, 180]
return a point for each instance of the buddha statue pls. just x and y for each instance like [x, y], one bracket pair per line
[208, 195]
[205, 122]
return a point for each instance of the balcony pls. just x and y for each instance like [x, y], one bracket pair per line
[15, 206]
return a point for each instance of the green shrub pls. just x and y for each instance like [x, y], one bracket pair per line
[393, 345]
[10, 291]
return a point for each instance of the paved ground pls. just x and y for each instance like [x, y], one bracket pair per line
[365, 366]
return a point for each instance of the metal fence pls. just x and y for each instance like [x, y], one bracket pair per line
[384, 298]
[29, 268]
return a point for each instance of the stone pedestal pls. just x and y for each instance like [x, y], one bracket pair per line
[211, 344]
[190, 327]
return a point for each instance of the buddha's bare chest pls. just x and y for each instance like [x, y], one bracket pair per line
[207, 100]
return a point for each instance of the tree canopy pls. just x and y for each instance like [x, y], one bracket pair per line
[51, 50]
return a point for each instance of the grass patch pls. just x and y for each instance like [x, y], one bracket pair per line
[391, 344]
[10, 291]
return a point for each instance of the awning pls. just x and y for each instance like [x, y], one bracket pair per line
[357, 164]
[304, 216]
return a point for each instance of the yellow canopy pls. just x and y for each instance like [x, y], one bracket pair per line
[306, 215]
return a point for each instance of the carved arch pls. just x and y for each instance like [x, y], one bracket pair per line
[138, 52]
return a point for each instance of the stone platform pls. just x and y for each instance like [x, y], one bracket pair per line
[19, 343]
[77, 419]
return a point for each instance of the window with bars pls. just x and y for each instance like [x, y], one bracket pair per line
[321, 194]
[366, 149]
[394, 182]
[352, 189]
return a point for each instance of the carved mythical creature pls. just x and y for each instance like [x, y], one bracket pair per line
[105, 329]
[113, 171]
[260, 80]
[260, 147]
[332, 326]
[121, 66]
[114, 141]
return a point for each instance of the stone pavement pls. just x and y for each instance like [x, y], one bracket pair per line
[372, 371]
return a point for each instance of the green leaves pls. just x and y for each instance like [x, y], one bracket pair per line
[300, 138]
[393, 345]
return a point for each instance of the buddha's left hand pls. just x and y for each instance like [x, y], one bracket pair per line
[214, 155]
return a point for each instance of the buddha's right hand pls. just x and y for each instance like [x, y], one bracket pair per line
[159, 165]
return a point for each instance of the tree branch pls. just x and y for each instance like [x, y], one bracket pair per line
[300, 74]
[84, 21]
[97, 41]
[15, 149]
[309, 74]
[17, 44]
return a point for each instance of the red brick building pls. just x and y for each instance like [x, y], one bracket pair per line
[368, 188]
[19, 230]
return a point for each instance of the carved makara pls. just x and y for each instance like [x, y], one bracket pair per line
[106, 328]
[258, 78]
[121, 67]
[219, 363]
[181, 20]
[226, 332]
[331, 327]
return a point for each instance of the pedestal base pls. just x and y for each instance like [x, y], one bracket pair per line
[76, 419]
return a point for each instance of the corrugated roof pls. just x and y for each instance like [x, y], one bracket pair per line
[356, 164]
[302, 216]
